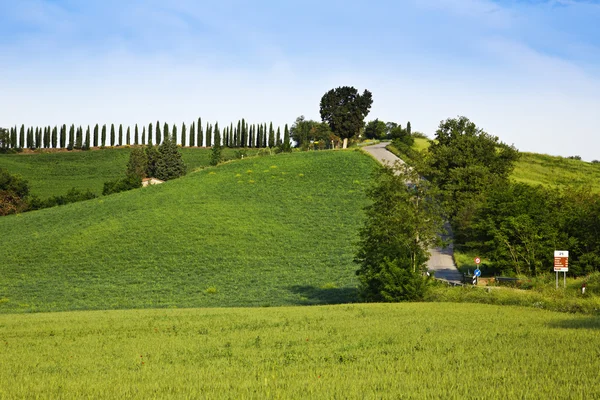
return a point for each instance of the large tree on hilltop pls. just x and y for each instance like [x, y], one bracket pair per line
[344, 109]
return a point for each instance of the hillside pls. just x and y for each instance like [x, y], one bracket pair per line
[54, 173]
[260, 231]
[543, 169]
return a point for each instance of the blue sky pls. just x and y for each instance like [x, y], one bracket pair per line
[526, 71]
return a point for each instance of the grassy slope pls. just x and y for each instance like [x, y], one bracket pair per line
[51, 174]
[543, 169]
[261, 231]
[419, 350]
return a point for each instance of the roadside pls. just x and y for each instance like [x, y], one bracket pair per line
[441, 261]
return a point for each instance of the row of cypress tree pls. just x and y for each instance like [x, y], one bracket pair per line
[242, 135]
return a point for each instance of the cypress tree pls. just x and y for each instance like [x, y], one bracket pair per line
[215, 156]
[144, 135]
[136, 136]
[38, 138]
[238, 134]
[46, 138]
[408, 128]
[86, 145]
[193, 135]
[112, 135]
[63, 136]
[71, 137]
[208, 135]
[250, 136]
[120, 135]
[234, 138]
[22, 137]
[183, 134]
[199, 134]
[226, 137]
[96, 135]
[149, 135]
[287, 145]
[29, 138]
[158, 135]
[243, 135]
[174, 133]
[166, 132]
[13, 137]
[54, 137]
[79, 138]
[278, 141]
[103, 138]
[271, 136]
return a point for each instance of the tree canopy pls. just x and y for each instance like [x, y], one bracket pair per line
[344, 109]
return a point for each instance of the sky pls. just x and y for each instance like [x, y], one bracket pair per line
[525, 71]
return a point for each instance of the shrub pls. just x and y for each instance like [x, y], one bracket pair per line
[122, 185]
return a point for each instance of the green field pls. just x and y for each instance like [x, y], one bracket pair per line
[418, 350]
[53, 174]
[273, 230]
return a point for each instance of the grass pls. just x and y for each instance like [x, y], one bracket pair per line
[54, 173]
[274, 230]
[542, 169]
[367, 351]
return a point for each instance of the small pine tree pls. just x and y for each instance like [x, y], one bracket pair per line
[215, 155]
[128, 136]
[86, 143]
[120, 143]
[22, 137]
[136, 135]
[96, 135]
[138, 163]
[112, 135]
[286, 146]
[183, 134]
[193, 135]
[170, 164]
[199, 134]
[54, 138]
[271, 136]
[103, 138]
[207, 142]
[79, 138]
[158, 134]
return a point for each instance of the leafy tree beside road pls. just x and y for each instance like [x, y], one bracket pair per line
[344, 109]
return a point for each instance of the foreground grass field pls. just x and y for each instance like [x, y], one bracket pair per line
[274, 230]
[414, 350]
[53, 174]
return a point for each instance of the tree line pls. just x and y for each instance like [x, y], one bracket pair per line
[240, 135]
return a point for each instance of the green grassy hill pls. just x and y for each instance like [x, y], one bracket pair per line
[53, 174]
[543, 169]
[260, 231]
[356, 351]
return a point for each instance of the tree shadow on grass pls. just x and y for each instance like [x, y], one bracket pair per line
[312, 295]
[578, 323]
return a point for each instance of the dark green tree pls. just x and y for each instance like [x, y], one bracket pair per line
[120, 142]
[103, 137]
[38, 138]
[193, 135]
[402, 222]
[138, 163]
[144, 136]
[54, 138]
[112, 135]
[408, 128]
[136, 135]
[216, 156]
[344, 109]
[63, 136]
[375, 129]
[208, 140]
[170, 164]
[96, 135]
[183, 134]
[46, 140]
[128, 136]
[79, 138]
[278, 138]
[152, 155]
[71, 144]
[166, 134]
[286, 146]
[199, 134]
[158, 135]
[22, 137]
[271, 136]
[174, 138]
[86, 143]
[149, 134]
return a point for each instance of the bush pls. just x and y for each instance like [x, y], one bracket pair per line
[122, 185]
[391, 281]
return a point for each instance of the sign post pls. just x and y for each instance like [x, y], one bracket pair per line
[561, 264]
[477, 272]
